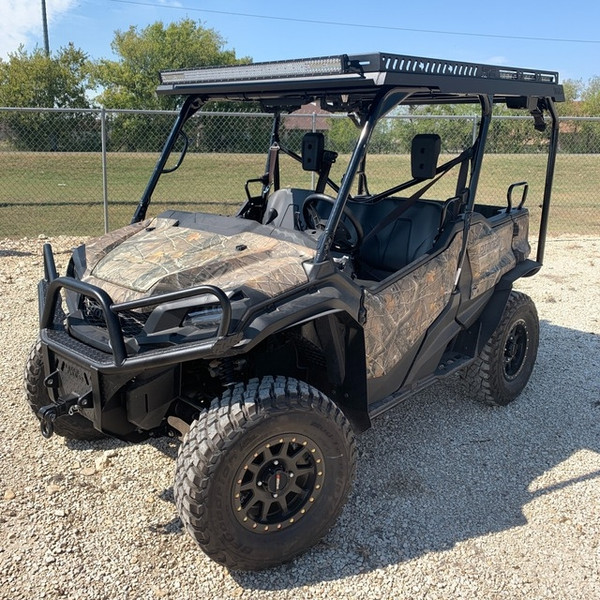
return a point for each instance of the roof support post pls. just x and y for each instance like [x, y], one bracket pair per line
[552, 150]
[382, 105]
[484, 126]
[191, 105]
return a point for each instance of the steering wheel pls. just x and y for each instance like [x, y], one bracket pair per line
[346, 238]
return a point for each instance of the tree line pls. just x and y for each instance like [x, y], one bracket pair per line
[69, 79]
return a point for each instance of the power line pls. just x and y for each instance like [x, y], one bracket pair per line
[360, 25]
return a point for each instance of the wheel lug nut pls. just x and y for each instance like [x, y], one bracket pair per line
[275, 495]
[275, 462]
[290, 474]
[259, 483]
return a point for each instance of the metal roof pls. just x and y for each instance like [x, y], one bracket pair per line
[362, 76]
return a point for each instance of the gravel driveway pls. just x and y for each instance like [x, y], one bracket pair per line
[452, 499]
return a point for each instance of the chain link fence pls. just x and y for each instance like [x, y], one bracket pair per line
[82, 172]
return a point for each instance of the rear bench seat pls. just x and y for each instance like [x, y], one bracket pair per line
[402, 241]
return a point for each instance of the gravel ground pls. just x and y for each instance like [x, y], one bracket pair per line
[452, 499]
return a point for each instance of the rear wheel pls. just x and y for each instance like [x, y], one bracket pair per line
[73, 427]
[504, 366]
[264, 473]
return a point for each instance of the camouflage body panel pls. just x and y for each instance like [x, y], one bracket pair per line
[99, 247]
[490, 254]
[161, 257]
[493, 251]
[401, 313]
[520, 241]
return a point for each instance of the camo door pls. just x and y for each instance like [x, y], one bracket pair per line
[399, 313]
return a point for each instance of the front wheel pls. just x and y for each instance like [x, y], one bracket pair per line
[504, 365]
[264, 473]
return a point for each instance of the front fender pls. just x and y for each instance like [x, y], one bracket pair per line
[341, 340]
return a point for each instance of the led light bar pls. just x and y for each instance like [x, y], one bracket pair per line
[517, 74]
[309, 67]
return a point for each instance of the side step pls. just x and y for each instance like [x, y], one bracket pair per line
[450, 363]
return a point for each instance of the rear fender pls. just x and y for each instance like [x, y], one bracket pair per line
[491, 315]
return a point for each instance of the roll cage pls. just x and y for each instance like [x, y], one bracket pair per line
[366, 87]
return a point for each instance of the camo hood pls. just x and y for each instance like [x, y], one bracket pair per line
[160, 256]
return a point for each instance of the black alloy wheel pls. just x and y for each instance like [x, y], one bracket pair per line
[504, 365]
[278, 483]
[263, 474]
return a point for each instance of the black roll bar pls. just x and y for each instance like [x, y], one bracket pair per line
[552, 151]
[383, 104]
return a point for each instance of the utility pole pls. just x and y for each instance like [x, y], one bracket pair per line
[45, 26]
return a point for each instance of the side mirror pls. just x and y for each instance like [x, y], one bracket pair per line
[424, 155]
[313, 147]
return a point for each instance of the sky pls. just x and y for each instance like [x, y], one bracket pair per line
[554, 36]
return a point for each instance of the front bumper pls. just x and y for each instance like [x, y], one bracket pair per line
[53, 318]
[115, 385]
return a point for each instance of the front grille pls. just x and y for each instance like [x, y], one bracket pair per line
[132, 323]
[92, 313]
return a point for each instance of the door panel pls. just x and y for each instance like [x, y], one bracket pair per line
[490, 254]
[398, 314]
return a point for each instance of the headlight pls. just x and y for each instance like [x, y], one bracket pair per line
[205, 318]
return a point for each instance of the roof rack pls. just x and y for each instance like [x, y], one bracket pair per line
[398, 63]
[302, 67]
[362, 74]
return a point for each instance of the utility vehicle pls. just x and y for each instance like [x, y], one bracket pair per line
[266, 340]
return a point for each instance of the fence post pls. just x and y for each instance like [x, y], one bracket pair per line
[474, 131]
[104, 174]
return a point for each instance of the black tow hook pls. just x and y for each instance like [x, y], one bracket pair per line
[47, 415]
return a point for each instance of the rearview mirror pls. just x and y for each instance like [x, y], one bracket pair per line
[424, 155]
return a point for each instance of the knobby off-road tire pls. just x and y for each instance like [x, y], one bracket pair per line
[263, 474]
[504, 366]
[73, 427]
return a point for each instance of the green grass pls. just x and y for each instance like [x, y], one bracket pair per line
[60, 193]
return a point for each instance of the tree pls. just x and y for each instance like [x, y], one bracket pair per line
[590, 97]
[131, 81]
[342, 135]
[581, 100]
[571, 107]
[39, 81]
